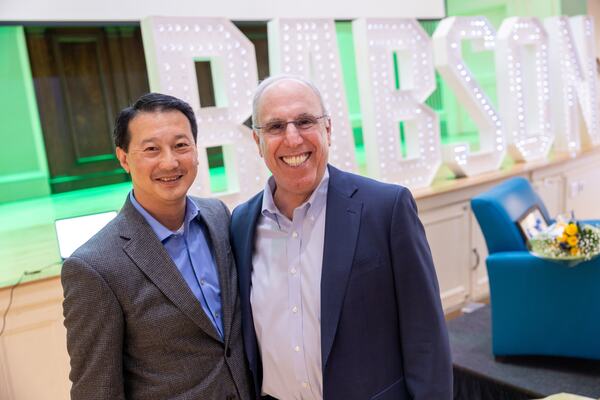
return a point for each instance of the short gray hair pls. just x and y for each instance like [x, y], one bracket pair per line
[277, 78]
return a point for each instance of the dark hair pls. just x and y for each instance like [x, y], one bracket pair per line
[150, 102]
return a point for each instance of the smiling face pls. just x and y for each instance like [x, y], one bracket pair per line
[297, 159]
[162, 160]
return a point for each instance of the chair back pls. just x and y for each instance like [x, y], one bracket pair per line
[499, 209]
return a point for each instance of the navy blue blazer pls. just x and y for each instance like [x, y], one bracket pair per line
[383, 334]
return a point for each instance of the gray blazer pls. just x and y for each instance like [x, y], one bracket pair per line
[134, 328]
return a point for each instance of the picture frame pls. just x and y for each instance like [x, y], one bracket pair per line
[532, 223]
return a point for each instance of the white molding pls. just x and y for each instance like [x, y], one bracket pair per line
[130, 10]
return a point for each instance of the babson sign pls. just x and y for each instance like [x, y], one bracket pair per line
[546, 84]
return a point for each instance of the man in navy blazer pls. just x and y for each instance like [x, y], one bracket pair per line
[339, 294]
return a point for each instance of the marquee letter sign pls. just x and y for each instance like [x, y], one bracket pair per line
[401, 133]
[308, 48]
[523, 87]
[447, 41]
[383, 106]
[172, 46]
[574, 81]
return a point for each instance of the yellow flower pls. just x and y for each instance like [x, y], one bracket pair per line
[571, 229]
[562, 238]
[572, 241]
[574, 251]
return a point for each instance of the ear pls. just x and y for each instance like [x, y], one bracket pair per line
[196, 152]
[328, 131]
[257, 141]
[122, 157]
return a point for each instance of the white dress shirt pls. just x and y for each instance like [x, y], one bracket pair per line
[286, 295]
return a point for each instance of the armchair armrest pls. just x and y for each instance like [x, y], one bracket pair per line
[595, 222]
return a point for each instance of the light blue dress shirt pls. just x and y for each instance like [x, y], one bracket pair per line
[286, 295]
[191, 254]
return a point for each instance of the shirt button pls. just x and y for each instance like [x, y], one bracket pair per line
[294, 234]
[202, 282]
[297, 349]
[293, 271]
[304, 385]
[216, 315]
[294, 309]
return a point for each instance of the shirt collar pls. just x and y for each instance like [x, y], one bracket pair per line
[316, 200]
[161, 231]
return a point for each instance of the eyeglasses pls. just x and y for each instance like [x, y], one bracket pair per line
[278, 127]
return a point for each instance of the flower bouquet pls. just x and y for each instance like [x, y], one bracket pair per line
[567, 240]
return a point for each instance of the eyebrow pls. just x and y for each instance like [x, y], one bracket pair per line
[304, 114]
[152, 139]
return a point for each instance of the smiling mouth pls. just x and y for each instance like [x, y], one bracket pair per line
[169, 179]
[296, 160]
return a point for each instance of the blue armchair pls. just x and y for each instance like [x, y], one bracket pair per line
[539, 307]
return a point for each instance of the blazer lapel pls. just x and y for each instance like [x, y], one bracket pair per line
[342, 224]
[146, 251]
[218, 231]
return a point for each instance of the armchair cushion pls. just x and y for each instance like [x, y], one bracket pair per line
[544, 307]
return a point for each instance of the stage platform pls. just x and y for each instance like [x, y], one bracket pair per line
[478, 375]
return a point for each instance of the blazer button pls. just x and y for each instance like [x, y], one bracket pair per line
[228, 352]
[230, 397]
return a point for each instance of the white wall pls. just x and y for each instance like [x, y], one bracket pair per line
[133, 10]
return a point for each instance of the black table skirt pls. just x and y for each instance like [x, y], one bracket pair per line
[479, 375]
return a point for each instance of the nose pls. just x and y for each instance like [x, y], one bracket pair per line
[168, 159]
[292, 135]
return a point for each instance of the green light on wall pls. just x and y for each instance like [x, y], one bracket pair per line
[23, 167]
[216, 168]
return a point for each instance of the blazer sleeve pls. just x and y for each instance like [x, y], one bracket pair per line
[425, 346]
[95, 329]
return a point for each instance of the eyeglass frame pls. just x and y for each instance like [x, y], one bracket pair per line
[293, 121]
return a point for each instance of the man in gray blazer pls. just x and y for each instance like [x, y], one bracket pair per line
[151, 305]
